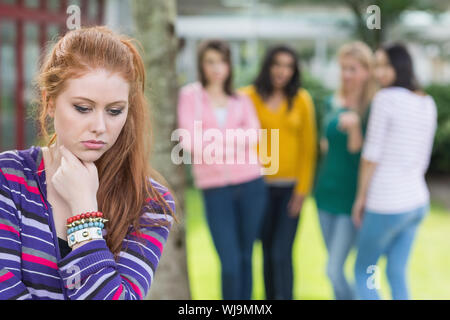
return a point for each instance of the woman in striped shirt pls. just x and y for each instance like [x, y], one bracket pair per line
[392, 197]
[92, 84]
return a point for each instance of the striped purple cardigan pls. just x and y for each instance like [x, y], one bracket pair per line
[31, 266]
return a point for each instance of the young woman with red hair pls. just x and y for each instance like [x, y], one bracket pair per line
[92, 183]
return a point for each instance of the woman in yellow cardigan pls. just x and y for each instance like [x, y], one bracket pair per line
[282, 104]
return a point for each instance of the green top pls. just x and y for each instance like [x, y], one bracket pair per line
[337, 176]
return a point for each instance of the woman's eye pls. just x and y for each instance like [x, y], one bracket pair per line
[115, 112]
[81, 109]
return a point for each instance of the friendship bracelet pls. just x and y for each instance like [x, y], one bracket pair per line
[84, 227]
[85, 220]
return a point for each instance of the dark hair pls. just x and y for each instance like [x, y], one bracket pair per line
[263, 82]
[401, 61]
[223, 48]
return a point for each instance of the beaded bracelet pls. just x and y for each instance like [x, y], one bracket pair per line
[85, 226]
[93, 214]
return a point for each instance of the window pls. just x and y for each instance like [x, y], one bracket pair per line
[26, 26]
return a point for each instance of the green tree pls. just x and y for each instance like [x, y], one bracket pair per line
[390, 10]
[390, 13]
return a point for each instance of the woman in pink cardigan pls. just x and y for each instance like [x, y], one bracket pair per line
[219, 128]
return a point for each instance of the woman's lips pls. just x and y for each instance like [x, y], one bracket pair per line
[94, 145]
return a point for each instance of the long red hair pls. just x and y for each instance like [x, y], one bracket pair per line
[124, 170]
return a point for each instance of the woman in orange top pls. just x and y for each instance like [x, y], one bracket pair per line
[282, 104]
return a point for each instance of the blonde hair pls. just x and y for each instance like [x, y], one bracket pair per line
[363, 54]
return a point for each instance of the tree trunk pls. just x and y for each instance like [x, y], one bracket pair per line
[155, 29]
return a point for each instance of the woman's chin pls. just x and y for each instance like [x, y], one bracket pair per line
[89, 155]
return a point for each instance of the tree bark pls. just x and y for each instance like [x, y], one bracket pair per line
[155, 30]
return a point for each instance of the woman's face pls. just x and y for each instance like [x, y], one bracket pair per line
[384, 72]
[353, 74]
[215, 67]
[282, 69]
[90, 113]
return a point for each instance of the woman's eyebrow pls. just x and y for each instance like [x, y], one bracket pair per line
[93, 102]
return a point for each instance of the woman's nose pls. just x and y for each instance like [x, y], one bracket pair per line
[98, 124]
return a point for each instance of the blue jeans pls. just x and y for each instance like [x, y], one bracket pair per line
[393, 236]
[277, 235]
[234, 215]
[339, 234]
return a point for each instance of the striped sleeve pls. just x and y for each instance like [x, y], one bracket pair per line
[377, 127]
[91, 273]
[11, 285]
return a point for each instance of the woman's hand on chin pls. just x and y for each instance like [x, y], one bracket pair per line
[76, 182]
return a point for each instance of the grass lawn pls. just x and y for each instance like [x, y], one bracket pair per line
[428, 273]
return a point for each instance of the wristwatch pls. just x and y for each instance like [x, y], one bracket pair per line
[85, 234]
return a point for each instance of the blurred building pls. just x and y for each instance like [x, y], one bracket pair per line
[316, 31]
